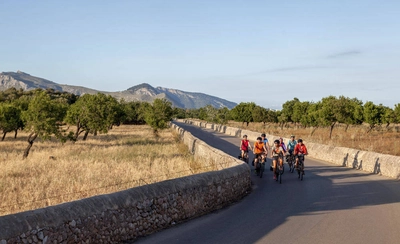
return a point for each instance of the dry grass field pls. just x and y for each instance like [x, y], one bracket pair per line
[128, 156]
[381, 140]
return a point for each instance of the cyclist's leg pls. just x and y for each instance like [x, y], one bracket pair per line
[297, 162]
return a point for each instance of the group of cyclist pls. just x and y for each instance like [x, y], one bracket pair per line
[278, 150]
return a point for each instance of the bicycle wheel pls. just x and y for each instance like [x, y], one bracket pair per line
[301, 175]
[280, 176]
[258, 169]
[262, 168]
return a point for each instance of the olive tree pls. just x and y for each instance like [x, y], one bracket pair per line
[94, 113]
[243, 112]
[43, 119]
[158, 114]
[10, 119]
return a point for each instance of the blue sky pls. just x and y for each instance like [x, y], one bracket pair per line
[267, 52]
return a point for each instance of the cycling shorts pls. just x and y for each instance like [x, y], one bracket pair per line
[256, 155]
[276, 158]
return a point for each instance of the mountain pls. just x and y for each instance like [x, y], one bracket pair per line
[142, 92]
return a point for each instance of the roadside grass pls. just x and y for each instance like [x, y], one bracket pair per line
[380, 140]
[126, 157]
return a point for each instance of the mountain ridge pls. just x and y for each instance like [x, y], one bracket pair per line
[140, 92]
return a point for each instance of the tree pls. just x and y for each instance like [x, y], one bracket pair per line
[372, 115]
[211, 114]
[158, 114]
[132, 112]
[94, 113]
[396, 113]
[287, 111]
[43, 119]
[312, 116]
[388, 116]
[328, 113]
[179, 113]
[259, 114]
[299, 111]
[243, 112]
[223, 115]
[10, 119]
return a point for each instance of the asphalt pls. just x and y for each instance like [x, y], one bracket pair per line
[331, 205]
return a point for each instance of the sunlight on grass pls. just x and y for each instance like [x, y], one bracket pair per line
[126, 157]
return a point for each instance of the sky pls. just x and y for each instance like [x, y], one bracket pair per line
[267, 52]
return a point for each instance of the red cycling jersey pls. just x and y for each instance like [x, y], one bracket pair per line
[245, 145]
[300, 149]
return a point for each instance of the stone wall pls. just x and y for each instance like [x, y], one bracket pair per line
[134, 212]
[382, 164]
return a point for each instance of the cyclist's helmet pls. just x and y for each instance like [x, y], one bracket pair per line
[300, 140]
[292, 136]
[259, 138]
[263, 135]
[277, 141]
[244, 136]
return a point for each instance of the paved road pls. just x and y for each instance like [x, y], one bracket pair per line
[332, 205]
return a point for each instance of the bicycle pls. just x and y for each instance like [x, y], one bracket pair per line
[300, 170]
[279, 172]
[291, 161]
[260, 167]
[245, 158]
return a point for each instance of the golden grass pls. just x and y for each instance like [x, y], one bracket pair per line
[128, 156]
[382, 140]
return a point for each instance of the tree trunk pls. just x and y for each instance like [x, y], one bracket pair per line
[370, 128]
[78, 127]
[347, 126]
[4, 136]
[31, 139]
[15, 134]
[247, 124]
[86, 135]
[313, 130]
[331, 129]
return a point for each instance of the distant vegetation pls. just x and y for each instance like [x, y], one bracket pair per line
[46, 113]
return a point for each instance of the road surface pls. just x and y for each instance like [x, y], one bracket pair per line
[331, 205]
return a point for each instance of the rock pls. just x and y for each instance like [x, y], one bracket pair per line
[72, 223]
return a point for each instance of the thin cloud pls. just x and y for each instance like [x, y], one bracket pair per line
[295, 68]
[345, 54]
[283, 69]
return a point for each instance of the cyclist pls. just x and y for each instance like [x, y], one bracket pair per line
[282, 144]
[259, 149]
[291, 144]
[277, 156]
[244, 147]
[265, 140]
[300, 149]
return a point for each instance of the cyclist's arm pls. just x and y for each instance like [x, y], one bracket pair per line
[265, 149]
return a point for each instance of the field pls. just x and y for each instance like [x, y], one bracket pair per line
[381, 140]
[128, 156]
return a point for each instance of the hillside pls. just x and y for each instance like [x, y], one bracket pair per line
[141, 92]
